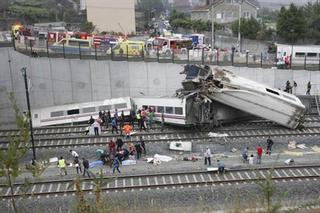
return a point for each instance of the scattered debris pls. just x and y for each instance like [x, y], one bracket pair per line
[217, 135]
[164, 137]
[53, 160]
[162, 158]
[302, 146]
[289, 161]
[219, 156]
[181, 146]
[212, 169]
[193, 158]
[315, 148]
[234, 150]
[149, 160]
[129, 162]
[156, 162]
[292, 145]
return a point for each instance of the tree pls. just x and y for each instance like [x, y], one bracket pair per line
[4, 5]
[149, 5]
[311, 12]
[291, 23]
[150, 9]
[87, 27]
[17, 148]
[249, 28]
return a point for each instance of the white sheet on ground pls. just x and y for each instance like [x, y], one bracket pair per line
[162, 158]
[215, 135]
[149, 160]
[53, 160]
[180, 146]
[289, 161]
[129, 162]
[212, 169]
[302, 146]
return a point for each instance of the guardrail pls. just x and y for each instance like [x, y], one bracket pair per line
[194, 56]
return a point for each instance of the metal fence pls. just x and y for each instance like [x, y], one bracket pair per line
[194, 56]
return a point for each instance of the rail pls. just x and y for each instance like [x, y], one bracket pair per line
[167, 180]
[166, 137]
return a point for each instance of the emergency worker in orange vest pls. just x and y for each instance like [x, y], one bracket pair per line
[127, 130]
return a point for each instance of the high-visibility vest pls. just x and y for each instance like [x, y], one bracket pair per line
[62, 163]
[138, 116]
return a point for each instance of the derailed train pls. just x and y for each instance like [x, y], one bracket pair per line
[184, 111]
[208, 98]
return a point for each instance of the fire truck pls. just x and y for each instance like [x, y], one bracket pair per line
[167, 46]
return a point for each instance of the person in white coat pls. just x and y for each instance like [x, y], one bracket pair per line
[207, 156]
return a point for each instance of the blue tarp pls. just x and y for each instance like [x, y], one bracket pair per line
[96, 163]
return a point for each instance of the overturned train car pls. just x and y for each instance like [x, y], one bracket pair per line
[243, 94]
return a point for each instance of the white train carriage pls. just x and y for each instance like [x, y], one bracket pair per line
[173, 109]
[189, 111]
[257, 99]
[299, 52]
[74, 113]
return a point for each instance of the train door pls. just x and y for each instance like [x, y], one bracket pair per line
[36, 118]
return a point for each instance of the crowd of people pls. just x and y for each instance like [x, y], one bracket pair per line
[123, 124]
[259, 152]
[114, 154]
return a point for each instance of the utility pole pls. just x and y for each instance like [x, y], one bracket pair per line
[212, 27]
[291, 31]
[24, 73]
[239, 29]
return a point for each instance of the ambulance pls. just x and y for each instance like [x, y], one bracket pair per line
[128, 48]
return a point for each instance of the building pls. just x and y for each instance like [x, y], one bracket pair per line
[112, 15]
[184, 6]
[226, 11]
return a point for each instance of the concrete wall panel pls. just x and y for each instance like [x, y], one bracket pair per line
[281, 77]
[173, 78]
[138, 79]
[100, 77]
[157, 79]
[61, 81]
[301, 77]
[315, 82]
[81, 81]
[119, 77]
[265, 76]
[40, 83]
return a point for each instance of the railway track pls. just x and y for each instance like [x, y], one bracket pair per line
[65, 131]
[161, 137]
[167, 181]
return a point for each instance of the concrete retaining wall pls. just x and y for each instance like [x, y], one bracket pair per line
[59, 81]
